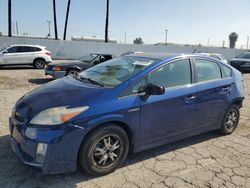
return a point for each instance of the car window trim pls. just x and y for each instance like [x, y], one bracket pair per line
[155, 69]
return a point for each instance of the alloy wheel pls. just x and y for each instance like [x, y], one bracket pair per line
[231, 119]
[106, 151]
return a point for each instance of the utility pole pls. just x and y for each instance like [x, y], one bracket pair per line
[247, 41]
[16, 28]
[49, 21]
[9, 19]
[208, 41]
[107, 22]
[66, 20]
[223, 44]
[55, 23]
[166, 36]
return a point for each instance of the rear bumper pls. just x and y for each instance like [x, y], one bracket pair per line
[55, 74]
[63, 143]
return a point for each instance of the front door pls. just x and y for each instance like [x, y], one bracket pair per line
[10, 56]
[164, 117]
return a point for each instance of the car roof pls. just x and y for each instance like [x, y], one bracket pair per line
[102, 54]
[162, 56]
[28, 45]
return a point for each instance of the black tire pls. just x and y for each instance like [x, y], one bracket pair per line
[230, 120]
[39, 63]
[72, 72]
[98, 160]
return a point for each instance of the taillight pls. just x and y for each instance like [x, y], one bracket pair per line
[48, 53]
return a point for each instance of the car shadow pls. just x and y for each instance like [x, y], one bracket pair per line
[40, 81]
[13, 173]
[16, 67]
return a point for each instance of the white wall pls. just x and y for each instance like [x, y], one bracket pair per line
[76, 49]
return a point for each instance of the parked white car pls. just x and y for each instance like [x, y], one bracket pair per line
[35, 55]
[216, 56]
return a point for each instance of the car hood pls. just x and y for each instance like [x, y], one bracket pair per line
[63, 92]
[67, 62]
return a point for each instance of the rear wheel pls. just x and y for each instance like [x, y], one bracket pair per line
[104, 150]
[39, 63]
[230, 120]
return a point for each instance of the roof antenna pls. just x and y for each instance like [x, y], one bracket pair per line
[194, 50]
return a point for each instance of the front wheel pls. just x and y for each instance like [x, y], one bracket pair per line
[230, 120]
[104, 150]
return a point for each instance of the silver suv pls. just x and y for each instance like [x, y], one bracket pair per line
[35, 55]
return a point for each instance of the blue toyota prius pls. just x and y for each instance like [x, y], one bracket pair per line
[128, 104]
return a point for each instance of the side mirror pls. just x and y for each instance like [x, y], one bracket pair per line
[5, 52]
[154, 89]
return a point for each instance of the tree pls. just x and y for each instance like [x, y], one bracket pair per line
[107, 22]
[233, 37]
[9, 19]
[66, 20]
[55, 24]
[138, 40]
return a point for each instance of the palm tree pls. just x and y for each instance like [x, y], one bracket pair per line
[233, 37]
[55, 24]
[107, 22]
[66, 21]
[9, 19]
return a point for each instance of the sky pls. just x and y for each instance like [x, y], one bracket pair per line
[187, 21]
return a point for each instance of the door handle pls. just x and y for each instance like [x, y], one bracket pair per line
[190, 99]
[225, 89]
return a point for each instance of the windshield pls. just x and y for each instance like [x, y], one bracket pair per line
[88, 57]
[116, 71]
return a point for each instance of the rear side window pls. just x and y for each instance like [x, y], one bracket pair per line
[206, 70]
[174, 74]
[35, 49]
[227, 72]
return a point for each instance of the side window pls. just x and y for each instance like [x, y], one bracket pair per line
[174, 74]
[207, 70]
[37, 49]
[227, 72]
[25, 49]
[12, 49]
[19, 49]
[135, 88]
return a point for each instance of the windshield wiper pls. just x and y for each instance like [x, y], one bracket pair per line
[91, 81]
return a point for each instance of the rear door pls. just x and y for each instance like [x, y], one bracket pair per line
[25, 54]
[212, 92]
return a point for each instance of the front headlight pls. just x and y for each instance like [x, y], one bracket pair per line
[56, 116]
